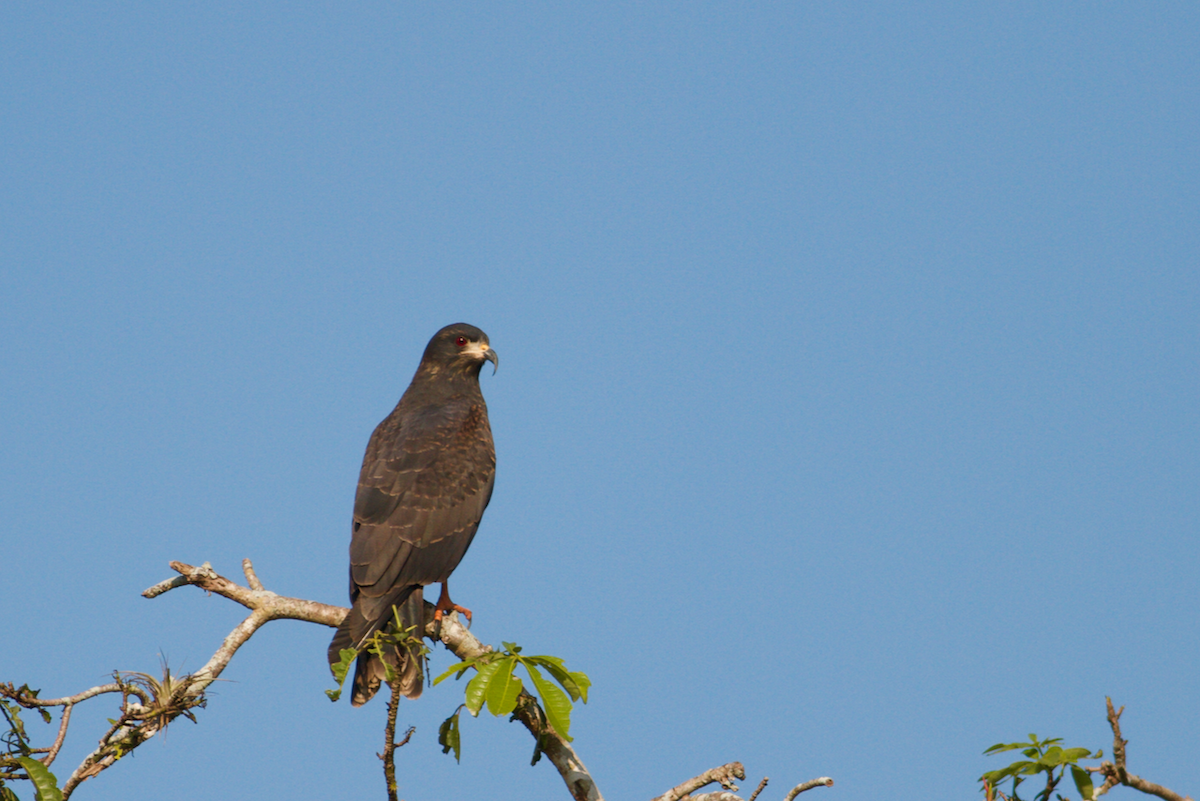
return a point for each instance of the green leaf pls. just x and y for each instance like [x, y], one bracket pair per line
[997, 776]
[1001, 747]
[504, 688]
[449, 736]
[576, 684]
[555, 703]
[1083, 782]
[477, 687]
[14, 719]
[6, 794]
[340, 670]
[511, 647]
[1015, 769]
[1075, 754]
[1052, 758]
[459, 668]
[583, 682]
[44, 782]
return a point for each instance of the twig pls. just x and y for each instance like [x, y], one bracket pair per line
[62, 735]
[135, 725]
[761, 786]
[1051, 782]
[1117, 773]
[29, 702]
[389, 737]
[723, 774]
[251, 576]
[824, 781]
[278, 607]
[269, 606]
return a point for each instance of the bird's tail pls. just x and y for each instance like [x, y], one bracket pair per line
[369, 672]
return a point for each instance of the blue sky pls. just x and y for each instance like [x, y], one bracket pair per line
[847, 421]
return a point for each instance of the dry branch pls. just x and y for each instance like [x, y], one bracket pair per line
[725, 774]
[824, 781]
[143, 714]
[761, 785]
[149, 705]
[1115, 772]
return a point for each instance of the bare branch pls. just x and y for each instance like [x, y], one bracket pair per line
[140, 722]
[29, 702]
[1114, 720]
[761, 786]
[724, 774]
[266, 606]
[1117, 773]
[62, 735]
[167, 584]
[824, 781]
[720, 795]
[1138, 783]
[277, 607]
[390, 745]
[251, 576]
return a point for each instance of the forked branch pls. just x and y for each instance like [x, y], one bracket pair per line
[725, 774]
[1115, 772]
[149, 704]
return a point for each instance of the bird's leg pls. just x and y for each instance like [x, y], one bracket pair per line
[445, 605]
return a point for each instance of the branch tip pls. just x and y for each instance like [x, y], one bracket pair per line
[251, 576]
[823, 781]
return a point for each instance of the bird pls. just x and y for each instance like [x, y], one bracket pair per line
[426, 478]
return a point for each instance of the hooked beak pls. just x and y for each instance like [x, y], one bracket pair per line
[491, 356]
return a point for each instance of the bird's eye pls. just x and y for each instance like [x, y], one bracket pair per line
[460, 341]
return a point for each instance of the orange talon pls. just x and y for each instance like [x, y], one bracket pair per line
[445, 605]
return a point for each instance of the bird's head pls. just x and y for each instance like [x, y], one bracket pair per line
[458, 349]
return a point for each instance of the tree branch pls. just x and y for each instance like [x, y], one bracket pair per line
[725, 774]
[761, 786]
[724, 795]
[389, 737]
[824, 781]
[175, 696]
[160, 702]
[1117, 773]
[62, 735]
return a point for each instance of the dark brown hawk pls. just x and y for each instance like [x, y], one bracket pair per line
[426, 478]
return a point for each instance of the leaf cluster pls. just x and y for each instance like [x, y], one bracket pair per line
[1041, 756]
[18, 751]
[496, 684]
[382, 643]
[16, 739]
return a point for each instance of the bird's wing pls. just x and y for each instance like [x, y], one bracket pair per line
[426, 479]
